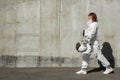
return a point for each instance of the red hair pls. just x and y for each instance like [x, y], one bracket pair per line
[94, 16]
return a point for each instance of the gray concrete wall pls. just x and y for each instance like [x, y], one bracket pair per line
[43, 33]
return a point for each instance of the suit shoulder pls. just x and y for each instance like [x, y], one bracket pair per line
[94, 24]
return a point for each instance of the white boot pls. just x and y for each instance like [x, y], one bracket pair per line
[81, 72]
[108, 70]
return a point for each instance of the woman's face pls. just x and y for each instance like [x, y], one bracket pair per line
[89, 18]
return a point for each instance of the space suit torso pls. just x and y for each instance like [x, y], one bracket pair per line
[90, 42]
[90, 36]
[91, 32]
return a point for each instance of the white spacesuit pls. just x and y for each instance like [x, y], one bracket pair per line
[91, 44]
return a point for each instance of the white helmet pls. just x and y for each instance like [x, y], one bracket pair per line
[82, 48]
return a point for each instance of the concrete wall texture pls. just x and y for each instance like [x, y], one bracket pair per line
[43, 33]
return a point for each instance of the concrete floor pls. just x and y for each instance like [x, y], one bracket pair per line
[54, 74]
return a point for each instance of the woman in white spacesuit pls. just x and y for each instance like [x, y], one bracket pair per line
[89, 44]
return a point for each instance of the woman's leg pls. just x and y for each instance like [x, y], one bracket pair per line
[99, 54]
[102, 58]
[85, 60]
[86, 56]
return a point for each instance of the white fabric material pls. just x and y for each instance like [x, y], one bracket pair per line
[91, 31]
[89, 22]
[91, 34]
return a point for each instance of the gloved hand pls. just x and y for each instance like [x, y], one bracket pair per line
[86, 39]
